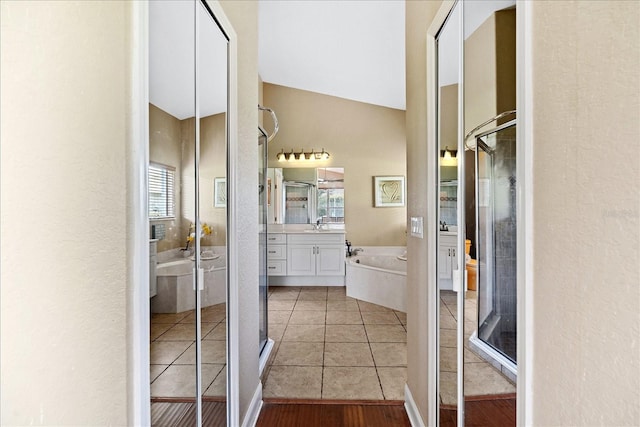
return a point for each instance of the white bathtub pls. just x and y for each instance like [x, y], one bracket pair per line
[175, 285]
[379, 279]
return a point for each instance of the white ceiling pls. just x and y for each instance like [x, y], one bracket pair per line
[171, 60]
[349, 49]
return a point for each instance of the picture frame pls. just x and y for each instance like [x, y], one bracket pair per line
[389, 191]
[220, 192]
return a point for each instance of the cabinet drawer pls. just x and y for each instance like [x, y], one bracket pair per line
[276, 252]
[277, 268]
[316, 238]
[276, 238]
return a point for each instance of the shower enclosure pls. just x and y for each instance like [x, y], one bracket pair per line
[496, 250]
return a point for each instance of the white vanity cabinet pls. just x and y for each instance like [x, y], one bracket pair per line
[315, 254]
[276, 254]
[153, 260]
[447, 259]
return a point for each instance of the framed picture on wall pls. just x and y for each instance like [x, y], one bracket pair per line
[220, 192]
[388, 191]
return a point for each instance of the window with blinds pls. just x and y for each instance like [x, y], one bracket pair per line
[161, 191]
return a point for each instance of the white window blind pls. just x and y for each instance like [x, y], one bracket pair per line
[161, 191]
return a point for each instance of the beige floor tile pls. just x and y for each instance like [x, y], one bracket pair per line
[347, 354]
[169, 317]
[367, 306]
[386, 333]
[276, 331]
[447, 321]
[217, 308]
[284, 296]
[471, 357]
[214, 352]
[185, 332]
[448, 359]
[482, 379]
[278, 317]
[344, 318]
[342, 305]
[345, 333]
[312, 296]
[286, 305]
[307, 317]
[218, 387]
[392, 381]
[402, 317]
[380, 318]
[299, 382]
[158, 329]
[338, 293]
[155, 370]
[448, 337]
[389, 354]
[299, 354]
[302, 305]
[180, 380]
[448, 388]
[351, 383]
[208, 317]
[219, 332]
[165, 352]
[304, 333]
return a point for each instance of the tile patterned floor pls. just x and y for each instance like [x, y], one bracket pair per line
[330, 346]
[327, 346]
[172, 351]
[480, 378]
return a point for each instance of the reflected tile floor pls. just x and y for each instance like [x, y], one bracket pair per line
[480, 377]
[330, 346]
[172, 353]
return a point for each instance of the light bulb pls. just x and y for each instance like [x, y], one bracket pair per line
[292, 156]
[302, 157]
[281, 156]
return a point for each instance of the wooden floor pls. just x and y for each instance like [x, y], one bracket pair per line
[485, 413]
[305, 413]
[327, 413]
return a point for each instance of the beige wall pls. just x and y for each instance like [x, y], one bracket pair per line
[213, 164]
[244, 18]
[419, 16]
[586, 209]
[171, 142]
[365, 139]
[489, 72]
[64, 105]
[165, 132]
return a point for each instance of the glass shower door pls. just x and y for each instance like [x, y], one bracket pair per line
[496, 228]
[263, 200]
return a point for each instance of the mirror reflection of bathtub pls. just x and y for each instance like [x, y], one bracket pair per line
[379, 275]
[175, 284]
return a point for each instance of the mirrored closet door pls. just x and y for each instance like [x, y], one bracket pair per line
[188, 137]
[477, 206]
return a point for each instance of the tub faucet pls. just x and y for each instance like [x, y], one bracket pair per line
[356, 250]
[348, 243]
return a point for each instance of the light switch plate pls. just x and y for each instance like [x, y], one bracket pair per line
[416, 226]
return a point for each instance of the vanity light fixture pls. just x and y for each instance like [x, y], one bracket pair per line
[448, 159]
[302, 156]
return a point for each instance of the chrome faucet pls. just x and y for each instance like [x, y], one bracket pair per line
[356, 250]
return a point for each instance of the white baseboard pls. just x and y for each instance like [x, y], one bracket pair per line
[412, 410]
[255, 406]
[264, 356]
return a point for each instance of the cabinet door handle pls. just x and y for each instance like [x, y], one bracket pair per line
[272, 252]
[454, 252]
[449, 251]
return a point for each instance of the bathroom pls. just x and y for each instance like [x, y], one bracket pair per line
[369, 146]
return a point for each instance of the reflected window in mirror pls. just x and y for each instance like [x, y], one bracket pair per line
[331, 195]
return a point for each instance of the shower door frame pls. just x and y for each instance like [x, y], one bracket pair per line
[493, 352]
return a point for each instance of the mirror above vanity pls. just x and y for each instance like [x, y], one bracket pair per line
[305, 195]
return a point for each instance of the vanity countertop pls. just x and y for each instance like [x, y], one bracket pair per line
[448, 233]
